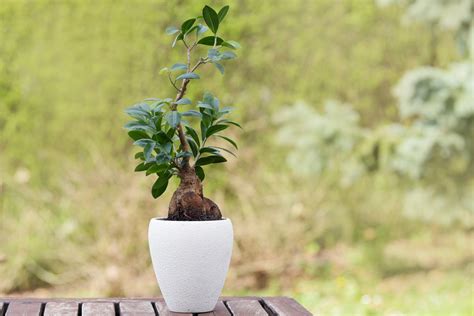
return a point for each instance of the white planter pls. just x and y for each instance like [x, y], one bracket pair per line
[190, 259]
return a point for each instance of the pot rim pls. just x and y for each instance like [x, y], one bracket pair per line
[164, 219]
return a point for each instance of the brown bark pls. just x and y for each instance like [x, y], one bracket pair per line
[188, 202]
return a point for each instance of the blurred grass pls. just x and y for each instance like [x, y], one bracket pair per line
[73, 215]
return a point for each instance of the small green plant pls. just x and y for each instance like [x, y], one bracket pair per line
[171, 146]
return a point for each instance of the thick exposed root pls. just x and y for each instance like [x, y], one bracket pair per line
[188, 202]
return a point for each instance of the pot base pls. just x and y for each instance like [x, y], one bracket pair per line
[190, 259]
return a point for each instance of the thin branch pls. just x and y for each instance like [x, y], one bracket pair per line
[188, 54]
[172, 83]
[179, 96]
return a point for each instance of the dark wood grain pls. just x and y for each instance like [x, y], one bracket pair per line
[286, 306]
[164, 311]
[246, 307]
[98, 309]
[24, 309]
[219, 310]
[68, 308]
[135, 307]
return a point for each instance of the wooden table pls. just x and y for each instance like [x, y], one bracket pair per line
[227, 306]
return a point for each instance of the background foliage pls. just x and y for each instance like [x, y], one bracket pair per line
[358, 139]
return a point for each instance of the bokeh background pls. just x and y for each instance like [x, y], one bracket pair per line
[353, 187]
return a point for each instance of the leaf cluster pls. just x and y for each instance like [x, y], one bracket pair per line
[167, 139]
[154, 129]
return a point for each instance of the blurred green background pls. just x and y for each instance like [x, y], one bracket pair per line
[353, 187]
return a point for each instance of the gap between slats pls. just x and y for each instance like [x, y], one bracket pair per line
[117, 308]
[3, 311]
[267, 308]
[42, 308]
[154, 308]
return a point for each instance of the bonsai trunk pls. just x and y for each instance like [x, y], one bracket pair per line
[188, 202]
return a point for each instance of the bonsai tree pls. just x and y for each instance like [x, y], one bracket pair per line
[171, 145]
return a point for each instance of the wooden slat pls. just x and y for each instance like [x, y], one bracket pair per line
[286, 306]
[139, 308]
[24, 309]
[239, 298]
[98, 309]
[164, 311]
[68, 308]
[219, 310]
[246, 307]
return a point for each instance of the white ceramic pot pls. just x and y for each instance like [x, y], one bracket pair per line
[190, 259]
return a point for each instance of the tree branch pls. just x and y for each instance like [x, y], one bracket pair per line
[179, 96]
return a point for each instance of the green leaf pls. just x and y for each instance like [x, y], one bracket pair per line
[209, 160]
[215, 129]
[173, 118]
[170, 133]
[157, 121]
[139, 126]
[143, 142]
[208, 150]
[234, 123]
[188, 75]
[200, 173]
[228, 55]
[224, 149]
[213, 53]
[157, 168]
[140, 155]
[201, 29]
[166, 148]
[209, 40]
[192, 113]
[223, 12]
[179, 66]
[163, 158]
[231, 44]
[225, 121]
[162, 138]
[170, 30]
[193, 134]
[143, 166]
[193, 145]
[184, 154]
[137, 112]
[229, 140]
[183, 101]
[203, 129]
[148, 150]
[211, 18]
[215, 103]
[177, 38]
[157, 108]
[160, 185]
[205, 106]
[219, 67]
[226, 109]
[136, 135]
[187, 25]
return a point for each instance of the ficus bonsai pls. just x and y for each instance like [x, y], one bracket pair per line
[171, 146]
